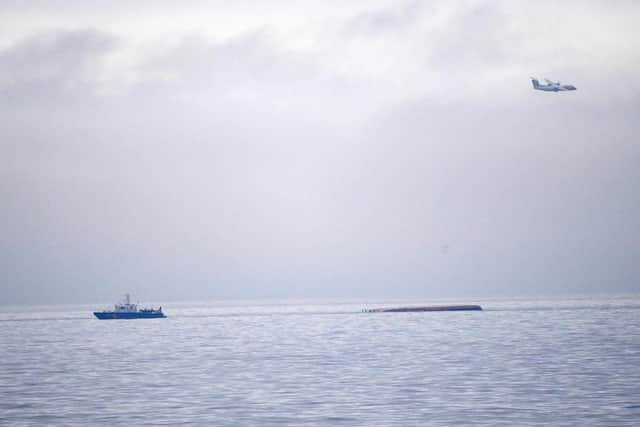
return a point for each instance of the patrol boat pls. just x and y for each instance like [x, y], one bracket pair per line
[126, 310]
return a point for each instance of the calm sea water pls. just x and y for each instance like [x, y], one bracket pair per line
[520, 362]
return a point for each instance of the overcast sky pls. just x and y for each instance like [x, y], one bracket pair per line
[285, 149]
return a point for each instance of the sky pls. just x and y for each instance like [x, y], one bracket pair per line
[363, 149]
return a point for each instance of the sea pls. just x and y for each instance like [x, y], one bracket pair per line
[570, 361]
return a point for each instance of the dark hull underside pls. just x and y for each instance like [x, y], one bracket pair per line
[431, 308]
[107, 315]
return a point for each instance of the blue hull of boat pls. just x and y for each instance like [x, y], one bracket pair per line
[108, 315]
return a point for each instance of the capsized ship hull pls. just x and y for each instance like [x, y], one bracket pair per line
[430, 308]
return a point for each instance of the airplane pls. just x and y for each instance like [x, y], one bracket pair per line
[551, 86]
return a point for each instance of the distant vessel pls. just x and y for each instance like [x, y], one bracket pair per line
[126, 310]
[430, 308]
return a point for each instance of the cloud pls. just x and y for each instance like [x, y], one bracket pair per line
[253, 163]
[54, 64]
[376, 22]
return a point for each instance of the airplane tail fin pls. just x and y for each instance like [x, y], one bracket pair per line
[535, 82]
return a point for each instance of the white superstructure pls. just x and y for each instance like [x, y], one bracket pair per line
[126, 306]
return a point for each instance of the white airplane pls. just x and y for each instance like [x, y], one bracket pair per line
[551, 86]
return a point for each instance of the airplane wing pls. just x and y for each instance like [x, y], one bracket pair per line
[551, 82]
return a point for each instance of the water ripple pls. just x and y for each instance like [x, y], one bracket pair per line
[573, 363]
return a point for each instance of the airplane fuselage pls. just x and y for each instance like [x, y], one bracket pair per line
[551, 87]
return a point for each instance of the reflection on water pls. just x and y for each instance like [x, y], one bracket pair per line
[519, 362]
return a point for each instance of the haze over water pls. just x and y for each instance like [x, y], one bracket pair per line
[520, 362]
[361, 150]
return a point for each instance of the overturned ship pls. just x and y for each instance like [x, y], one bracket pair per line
[428, 308]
